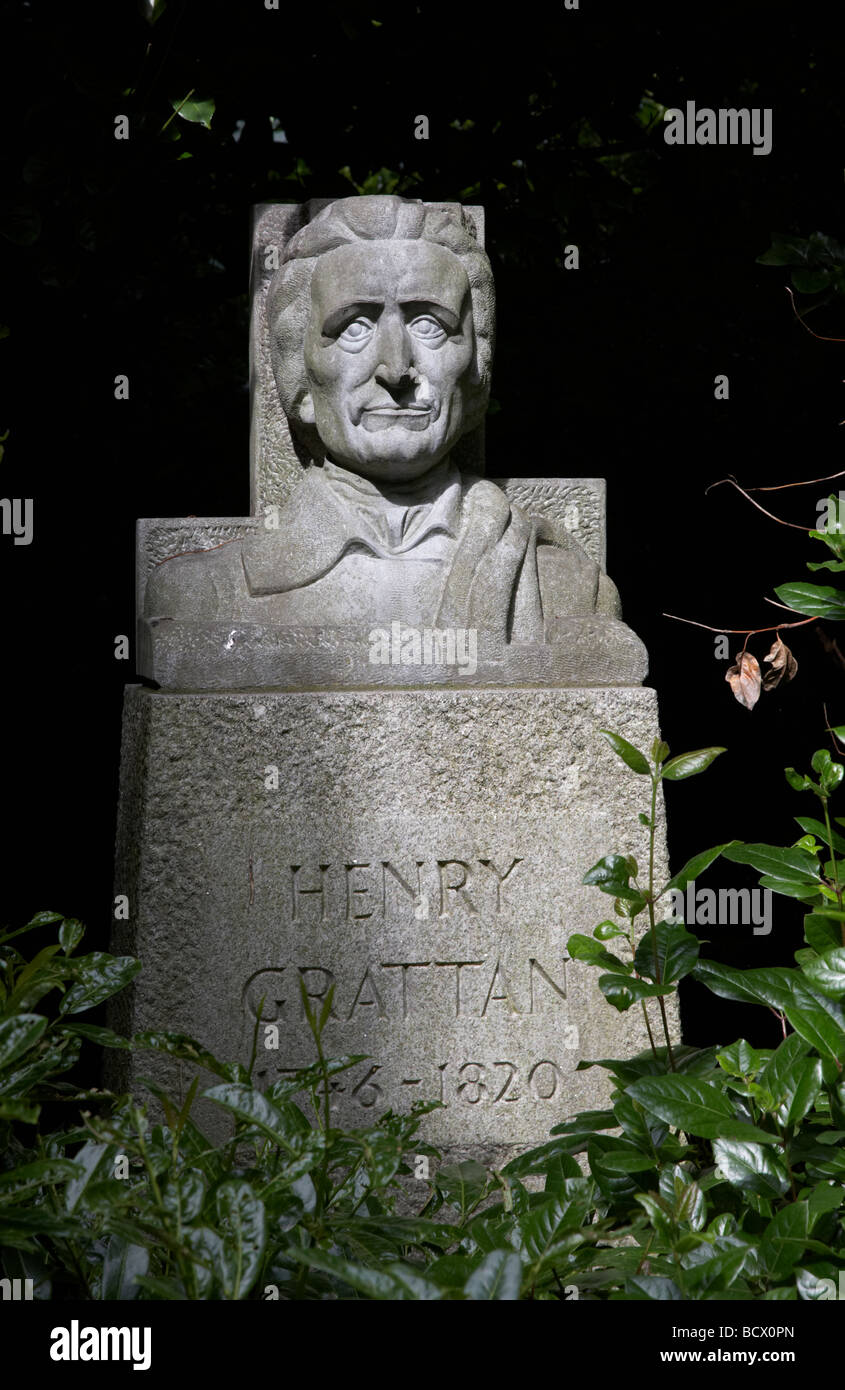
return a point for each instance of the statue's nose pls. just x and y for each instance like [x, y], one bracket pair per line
[394, 351]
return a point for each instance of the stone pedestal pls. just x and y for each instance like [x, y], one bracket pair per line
[422, 850]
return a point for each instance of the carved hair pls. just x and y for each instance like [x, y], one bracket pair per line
[379, 217]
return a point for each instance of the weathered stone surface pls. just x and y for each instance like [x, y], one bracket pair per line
[424, 850]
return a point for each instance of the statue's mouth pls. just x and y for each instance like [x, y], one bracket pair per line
[409, 417]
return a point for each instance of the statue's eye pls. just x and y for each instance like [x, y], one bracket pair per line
[427, 328]
[356, 333]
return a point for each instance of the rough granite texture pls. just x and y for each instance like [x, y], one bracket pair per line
[449, 958]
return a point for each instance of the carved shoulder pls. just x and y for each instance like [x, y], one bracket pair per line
[194, 587]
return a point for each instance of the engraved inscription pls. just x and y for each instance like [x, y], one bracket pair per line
[359, 890]
[482, 989]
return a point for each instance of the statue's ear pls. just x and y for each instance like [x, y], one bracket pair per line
[305, 409]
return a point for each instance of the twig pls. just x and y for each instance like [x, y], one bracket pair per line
[744, 631]
[771, 515]
[808, 482]
[821, 337]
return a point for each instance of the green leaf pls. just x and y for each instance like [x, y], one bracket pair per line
[814, 600]
[623, 990]
[751, 1167]
[697, 1107]
[611, 875]
[19, 1110]
[256, 1110]
[395, 1282]
[18, 1181]
[498, 1277]
[187, 1049]
[630, 755]
[123, 1263]
[815, 827]
[740, 1059]
[785, 1239]
[71, 933]
[548, 1233]
[103, 1037]
[790, 865]
[198, 112]
[714, 1268]
[827, 972]
[586, 948]
[798, 781]
[606, 931]
[462, 1183]
[810, 281]
[778, 1075]
[654, 1287]
[825, 1197]
[696, 866]
[677, 952]
[93, 1161]
[822, 931]
[18, 1034]
[690, 764]
[817, 1019]
[804, 1091]
[242, 1225]
[830, 773]
[101, 976]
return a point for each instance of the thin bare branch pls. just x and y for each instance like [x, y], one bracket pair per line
[821, 337]
[770, 515]
[743, 631]
[807, 482]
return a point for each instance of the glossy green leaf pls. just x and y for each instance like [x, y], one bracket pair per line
[814, 600]
[790, 865]
[586, 948]
[630, 755]
[827, 972]
[676, 950]
[242, 1227]
[462, 1183]
[100, 976]
[696, 866]
[815, 827]
[695, 1106]
[611, 875]
[751, 1167]
[740, 1059]
[94, 1162]
[71, 933]
[123, 1264]
[822, 931]
[198, 112]
[654, 1287]
[623, 990]
[18, 1034]
[17, 1182]
[690, 764]
[498, 1277]
[256, 1110]
[785, 1240]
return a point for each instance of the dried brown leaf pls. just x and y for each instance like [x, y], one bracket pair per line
[784, 665]
[744, 679]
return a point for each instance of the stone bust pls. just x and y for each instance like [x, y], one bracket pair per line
[382, 320]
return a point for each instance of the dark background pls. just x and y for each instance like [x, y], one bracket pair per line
[132, 257]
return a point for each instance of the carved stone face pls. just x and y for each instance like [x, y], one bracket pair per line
[388, 352]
